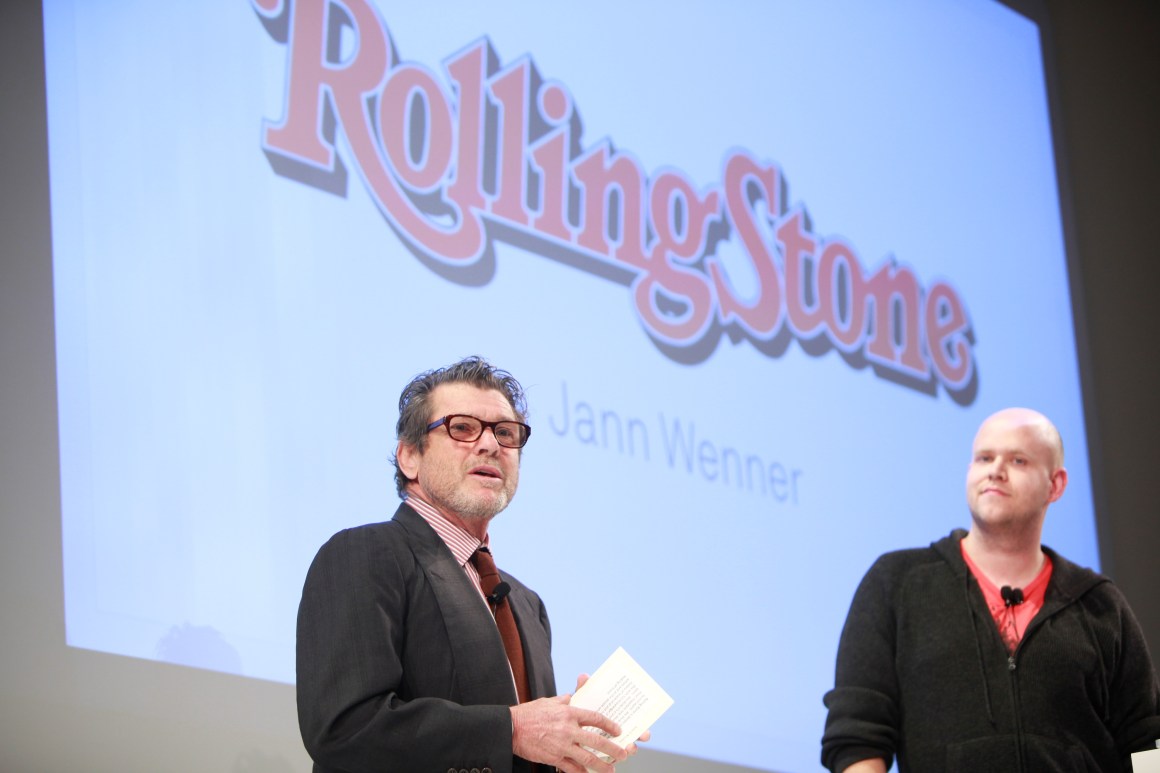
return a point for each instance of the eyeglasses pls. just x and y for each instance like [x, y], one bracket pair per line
[467, 429]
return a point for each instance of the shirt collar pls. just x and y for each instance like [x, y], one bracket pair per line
[461, 544]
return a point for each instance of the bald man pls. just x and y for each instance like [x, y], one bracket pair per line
[988, 651]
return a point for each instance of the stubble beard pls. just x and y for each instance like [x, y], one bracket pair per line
[455, 491]
[473, 508]
[457, 497]
[1006, 523]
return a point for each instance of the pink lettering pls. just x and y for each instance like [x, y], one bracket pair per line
[763, 317]
[496, 153]
[948, 336]
[806, 318]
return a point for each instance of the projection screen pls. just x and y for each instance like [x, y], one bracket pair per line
[763, 267]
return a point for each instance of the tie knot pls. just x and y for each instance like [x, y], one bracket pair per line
[484, 563]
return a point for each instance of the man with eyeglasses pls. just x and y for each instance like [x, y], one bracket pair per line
[409, 639]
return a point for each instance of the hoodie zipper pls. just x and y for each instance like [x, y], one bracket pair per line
[1013, 670]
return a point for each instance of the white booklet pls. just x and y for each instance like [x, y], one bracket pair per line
[1147, 761]
[622, 691]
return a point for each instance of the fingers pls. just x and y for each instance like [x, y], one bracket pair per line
[584, 761]
[591, 718]
[570, 765]
[549, 731]
[644, 737]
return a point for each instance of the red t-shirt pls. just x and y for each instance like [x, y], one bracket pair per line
[1012, 620]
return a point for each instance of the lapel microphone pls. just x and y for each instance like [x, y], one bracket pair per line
[1011, 596]
[502, 589]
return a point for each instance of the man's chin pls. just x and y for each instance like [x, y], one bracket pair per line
[1002, 521]
[485, 508]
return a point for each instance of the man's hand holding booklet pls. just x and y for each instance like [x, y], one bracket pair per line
[622, 691]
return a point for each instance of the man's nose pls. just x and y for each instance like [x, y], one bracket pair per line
[998, 469]
[487, 441]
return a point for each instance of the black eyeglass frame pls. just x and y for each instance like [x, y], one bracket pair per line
[446, 424]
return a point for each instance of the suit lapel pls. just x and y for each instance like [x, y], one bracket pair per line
[537, 646]
[481, 667]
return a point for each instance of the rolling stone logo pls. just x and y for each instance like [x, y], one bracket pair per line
[480, 152]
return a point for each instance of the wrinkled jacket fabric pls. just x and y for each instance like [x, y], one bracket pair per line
[401, 668]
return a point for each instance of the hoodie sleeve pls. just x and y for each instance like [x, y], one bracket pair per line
[1134, 709]
[863, 717]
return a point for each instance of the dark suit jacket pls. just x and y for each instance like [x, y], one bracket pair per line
[401, 668]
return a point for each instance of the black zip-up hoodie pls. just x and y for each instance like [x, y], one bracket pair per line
[923, 674]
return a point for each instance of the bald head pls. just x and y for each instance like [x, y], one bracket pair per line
[1016, 472]
[1028, 420]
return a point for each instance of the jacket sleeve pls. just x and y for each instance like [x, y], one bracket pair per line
[352, 650]
[1134, 712]
[863, 718]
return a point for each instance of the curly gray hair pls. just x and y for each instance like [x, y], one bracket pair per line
[413, 402]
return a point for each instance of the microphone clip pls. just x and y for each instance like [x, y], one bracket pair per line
[499, 593]
[1011, 596]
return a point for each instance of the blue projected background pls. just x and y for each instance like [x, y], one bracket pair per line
[243, 290]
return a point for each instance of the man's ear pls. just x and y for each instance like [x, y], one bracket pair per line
[408, 458]
[1058, 484]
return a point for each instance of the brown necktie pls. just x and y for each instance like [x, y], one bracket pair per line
[504, 620]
